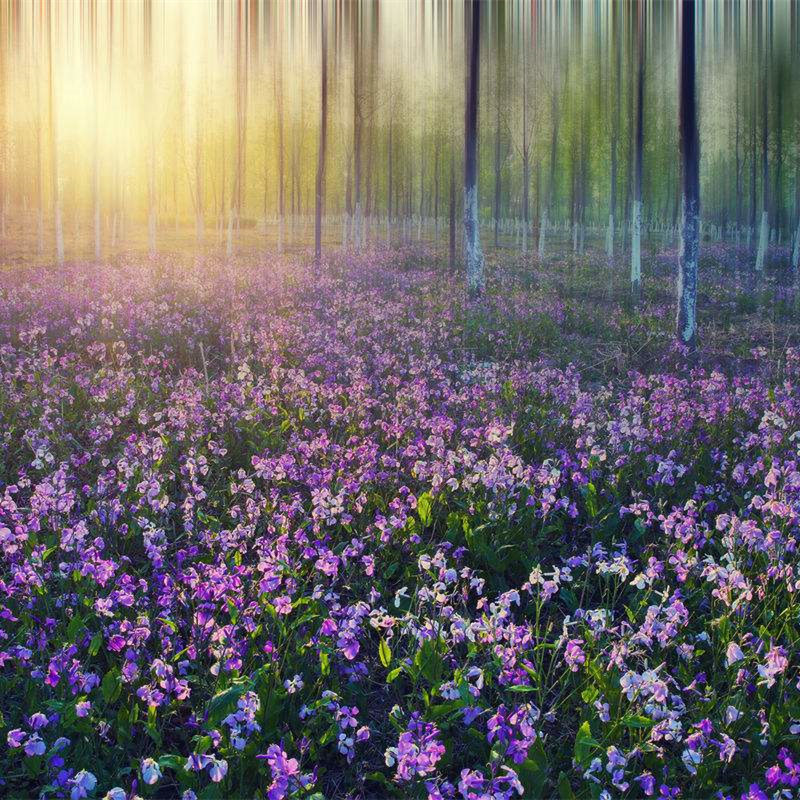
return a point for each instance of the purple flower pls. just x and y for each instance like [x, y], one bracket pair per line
[574, 655]
[16, 737]
[418, 750]
[286, 776]
[35, 746]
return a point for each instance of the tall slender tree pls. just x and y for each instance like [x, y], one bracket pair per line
[151, 180]
[96, 159]
[689, 140]
[281, 151]
[235, 210]
[615, 126]
[57, 222]
[472, 237]
[323, 133]
[796, 243]
[763, 236]
[636, 236]
[357, 123]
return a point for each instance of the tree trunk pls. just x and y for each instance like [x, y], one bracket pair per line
[690, 181]
[612, 202]
[763, 238]
[323, 133]
[452, 253]
[57, 222]
[198, 184]
[281, 156]
[636, 241]
[472, 242]
[525, 196]
[357, 132]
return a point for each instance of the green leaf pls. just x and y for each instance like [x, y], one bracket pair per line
[564, 789]
[232, 610]
[585, 743]
[111, 686]
[94, 645]
[429, 662]
[637, 721]
[329, 735]
[394, 675]
[223, 703]
[75, 628]
[532, 775]
[589, 695]
[591, 500]
[385, 653]
[424, 506]
[324, 662]
[171, 762]
[570, 599]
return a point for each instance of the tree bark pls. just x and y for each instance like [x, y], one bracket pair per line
[472, 241]
[636, 241]
[323, 133]
[690, 182]
[57, 222]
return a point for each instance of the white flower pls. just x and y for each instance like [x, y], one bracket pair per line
[218, 770]
[733, 654]
[293, 685]
[151, 772]
[691, 758]
[115, 794]
[83, 783]
[732, 714]
[400, 594]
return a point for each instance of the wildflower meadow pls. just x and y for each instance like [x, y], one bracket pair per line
[271, 530]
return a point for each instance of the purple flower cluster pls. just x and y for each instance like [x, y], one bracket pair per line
[417, 752]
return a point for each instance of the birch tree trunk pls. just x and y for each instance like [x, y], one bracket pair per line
[452, 209]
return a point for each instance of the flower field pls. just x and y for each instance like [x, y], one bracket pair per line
[274, 533]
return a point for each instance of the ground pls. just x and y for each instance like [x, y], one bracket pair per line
[271, 530]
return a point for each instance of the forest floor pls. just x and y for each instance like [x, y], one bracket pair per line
[271, 531]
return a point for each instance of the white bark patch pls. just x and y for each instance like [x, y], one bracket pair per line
[796, 249]
[610, 237]
[636, 244]
[763, 240]
[472, 242]
[542, 234]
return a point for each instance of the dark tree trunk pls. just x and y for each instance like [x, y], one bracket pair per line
[323, 133]
[472, 242]
[690, 181]
[636, 246]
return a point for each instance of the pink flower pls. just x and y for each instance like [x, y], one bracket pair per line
[283, 604]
